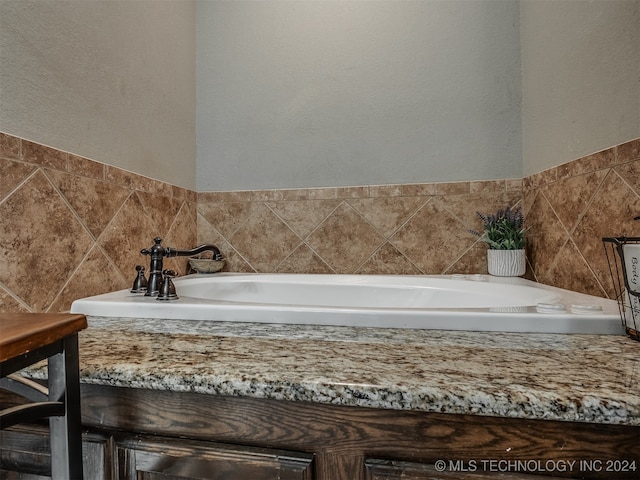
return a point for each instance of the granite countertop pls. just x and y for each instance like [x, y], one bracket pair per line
[585, 378]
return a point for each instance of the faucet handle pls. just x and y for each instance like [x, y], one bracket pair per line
[155, 249]
[140, 282]
[168, 289]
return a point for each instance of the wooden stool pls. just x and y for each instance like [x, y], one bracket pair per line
[25, 339]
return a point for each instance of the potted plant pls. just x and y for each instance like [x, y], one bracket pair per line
[504, 233]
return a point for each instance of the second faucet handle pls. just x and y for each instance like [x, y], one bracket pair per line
[168, 289]
[140, 283]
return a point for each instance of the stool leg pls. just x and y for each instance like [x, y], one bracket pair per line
[66, 431]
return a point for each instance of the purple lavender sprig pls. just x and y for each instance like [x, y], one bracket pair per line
[503, 230]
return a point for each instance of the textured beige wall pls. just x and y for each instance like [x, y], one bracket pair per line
[115, 81]
[335, 93]
[580, 78]
[110, 80]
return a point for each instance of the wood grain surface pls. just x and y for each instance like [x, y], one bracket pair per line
[21, 333]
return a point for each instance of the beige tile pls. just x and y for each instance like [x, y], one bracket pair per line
[209, 197]
[129, 231]
[95, 275]
[541, 178]
[160, 188]
[191, 196]
[127, 179]
[303, 260]
[226, 217]
[545, 237]
[181, 236]
[303, 216]
[514, 185]
[44, 156]
[465, 208]
[628, 151]
[388, 261]
[588, 164]
[387, 213]
[419, 189]
[267, 195]
[124, 221]
[345, 239]
[12, 174]
[95, 201]
[295, 194]
[487, 186]
[161, 209]
[8, 304]
[353, 192]
[630, 172]
[473, 260]
[41, 242]
[432, 239]
[9, 146]
[528, 197]
[384, 191]
[610, 213]
[178, 192]
[322, 193]
[264, 240]
[570, 197]
[453, 188]
[569, 270]
[85, 167]
[234, 261]
[233, 196]
[206, 233]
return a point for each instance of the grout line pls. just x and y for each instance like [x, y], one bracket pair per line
[15, 297]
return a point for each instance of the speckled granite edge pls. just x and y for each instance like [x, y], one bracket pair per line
[581, 378]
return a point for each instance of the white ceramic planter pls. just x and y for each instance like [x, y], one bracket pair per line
[506, 263]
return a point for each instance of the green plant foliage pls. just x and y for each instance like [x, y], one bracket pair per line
[503, 230]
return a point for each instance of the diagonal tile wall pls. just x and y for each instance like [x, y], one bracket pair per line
[72, 227]
[571, 207]
[399, 229]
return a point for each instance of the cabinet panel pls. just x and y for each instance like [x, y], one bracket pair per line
[377, 469]
[158, 458]
[25, 454]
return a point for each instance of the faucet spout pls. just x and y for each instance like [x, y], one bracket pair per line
[157, 253]
[172, 252]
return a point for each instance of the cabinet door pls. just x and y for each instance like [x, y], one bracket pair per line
[25, 454]
[155, 458]
[395, 470]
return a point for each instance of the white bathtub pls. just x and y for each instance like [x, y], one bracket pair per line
[458, 302]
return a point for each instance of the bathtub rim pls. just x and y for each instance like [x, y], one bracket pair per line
[119, 304]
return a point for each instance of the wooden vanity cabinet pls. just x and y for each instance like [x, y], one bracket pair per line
[155, 458]
[357, 443]
[160, 435]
